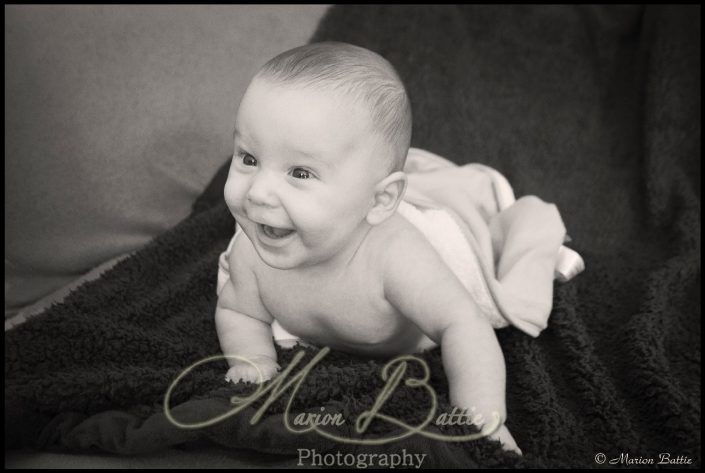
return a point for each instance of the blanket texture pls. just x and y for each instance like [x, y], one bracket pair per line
[596, 109]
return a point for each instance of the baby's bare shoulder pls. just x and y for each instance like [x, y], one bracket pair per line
[243, 265]
[243, 254]
[406, 253]
[418, 283]
[243, 294]
[399, 234]
[399, 249]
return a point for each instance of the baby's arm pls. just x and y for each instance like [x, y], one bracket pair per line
[242, 322]
[422, 287]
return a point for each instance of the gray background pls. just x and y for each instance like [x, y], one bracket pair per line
[116, 118]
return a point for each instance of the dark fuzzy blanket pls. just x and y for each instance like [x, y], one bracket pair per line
[596, 109]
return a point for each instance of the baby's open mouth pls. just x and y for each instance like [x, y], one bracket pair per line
[273, 232]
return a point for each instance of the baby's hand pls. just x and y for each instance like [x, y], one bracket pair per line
[244, 371]
[505, 438]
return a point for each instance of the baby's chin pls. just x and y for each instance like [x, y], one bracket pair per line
[294, 259]
[278, 263]
[281, 259]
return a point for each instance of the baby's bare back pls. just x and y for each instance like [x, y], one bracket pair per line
[345, 310]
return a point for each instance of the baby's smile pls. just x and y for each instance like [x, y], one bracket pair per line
[274, 232]
[273, 236]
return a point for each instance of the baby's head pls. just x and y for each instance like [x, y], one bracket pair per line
[321, 138]
[356, 74]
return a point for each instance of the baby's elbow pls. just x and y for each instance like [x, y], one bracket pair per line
[466, 329]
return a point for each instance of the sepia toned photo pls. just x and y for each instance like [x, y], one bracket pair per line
[339, 236]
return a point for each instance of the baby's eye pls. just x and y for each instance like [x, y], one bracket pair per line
[300, 173]
[248, 159]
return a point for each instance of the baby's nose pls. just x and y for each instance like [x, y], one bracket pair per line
[261, 191]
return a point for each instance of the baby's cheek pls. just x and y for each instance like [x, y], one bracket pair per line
[232, 194]
[314, 226]
[328, 234]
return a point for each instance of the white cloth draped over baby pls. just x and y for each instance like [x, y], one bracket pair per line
[506, 252]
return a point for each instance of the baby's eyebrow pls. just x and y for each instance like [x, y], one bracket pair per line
[312, 157]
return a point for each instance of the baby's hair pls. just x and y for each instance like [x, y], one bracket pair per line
[357, 71]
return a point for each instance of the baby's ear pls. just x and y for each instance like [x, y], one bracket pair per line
[388, 193]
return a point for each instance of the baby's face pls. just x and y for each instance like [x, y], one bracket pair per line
[303, 173]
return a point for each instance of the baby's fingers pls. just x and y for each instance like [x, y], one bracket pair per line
[249, 373]
[505, 438]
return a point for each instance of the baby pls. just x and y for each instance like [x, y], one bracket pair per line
[321, 138]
